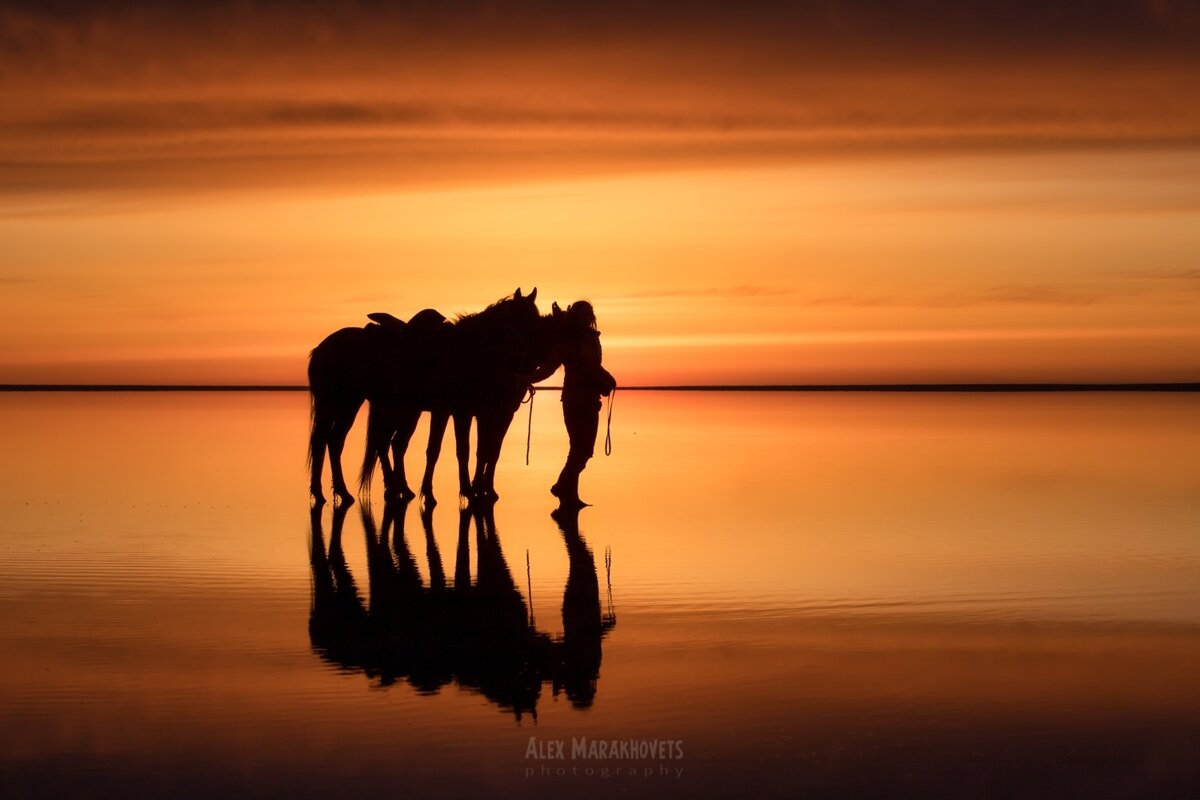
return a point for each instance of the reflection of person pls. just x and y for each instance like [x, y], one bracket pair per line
[579, 654]
[585, 381]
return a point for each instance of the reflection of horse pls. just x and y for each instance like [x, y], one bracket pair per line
[476, 635]
[407, 368]
[492, 401]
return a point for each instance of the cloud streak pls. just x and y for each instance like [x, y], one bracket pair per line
[142, 97]
[743, 290]
[892, 336]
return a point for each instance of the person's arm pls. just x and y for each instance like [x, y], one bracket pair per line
[542, 373]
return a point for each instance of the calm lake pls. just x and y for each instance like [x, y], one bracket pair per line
[774, 594]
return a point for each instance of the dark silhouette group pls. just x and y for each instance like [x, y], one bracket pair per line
[477, 367]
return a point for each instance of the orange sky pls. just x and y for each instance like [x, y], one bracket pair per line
[834, 192]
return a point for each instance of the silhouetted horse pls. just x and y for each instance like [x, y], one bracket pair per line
[476, 634]
[409, 367]
[467, 369]
[343, 371]
[492, 402]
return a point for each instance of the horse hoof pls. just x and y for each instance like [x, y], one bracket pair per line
[480, 502]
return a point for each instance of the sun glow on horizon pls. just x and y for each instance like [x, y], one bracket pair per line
[738, 207]
[748, 275]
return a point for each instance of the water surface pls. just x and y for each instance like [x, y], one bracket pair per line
[810, 595]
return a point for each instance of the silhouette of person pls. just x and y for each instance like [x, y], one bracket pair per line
[585, 381]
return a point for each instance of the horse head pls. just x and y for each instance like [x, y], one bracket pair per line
[522, 312]
[522, 328]
[560, 335]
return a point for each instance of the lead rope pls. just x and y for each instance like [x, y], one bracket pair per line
[608, 434]
[529, 430]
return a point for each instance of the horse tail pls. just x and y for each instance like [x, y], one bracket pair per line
[312, 426]
[312, 408]
[317, 384]
[371, 451]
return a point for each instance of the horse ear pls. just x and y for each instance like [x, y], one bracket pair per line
[554, 307]
[517, 294]
[533, 295]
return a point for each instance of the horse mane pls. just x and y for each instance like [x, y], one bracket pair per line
[484, 315]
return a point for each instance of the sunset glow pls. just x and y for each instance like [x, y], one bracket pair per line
[826, 194]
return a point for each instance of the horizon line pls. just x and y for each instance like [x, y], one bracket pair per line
[1115, 386]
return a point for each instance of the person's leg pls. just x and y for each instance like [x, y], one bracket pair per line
[583, 421]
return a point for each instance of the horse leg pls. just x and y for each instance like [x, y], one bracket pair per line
[482, 434]
[318, 441]
[462, 449]
[343, 421]
[502, 426]
[498, 429]
[406, 423]
[437, 431]
[491, 435]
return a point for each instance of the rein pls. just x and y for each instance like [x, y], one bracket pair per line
[529, 585]
[529, 430]
[608, 434]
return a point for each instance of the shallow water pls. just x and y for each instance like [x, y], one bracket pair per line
[982, 595]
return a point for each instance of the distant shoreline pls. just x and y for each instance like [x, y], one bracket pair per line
[866, 387]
